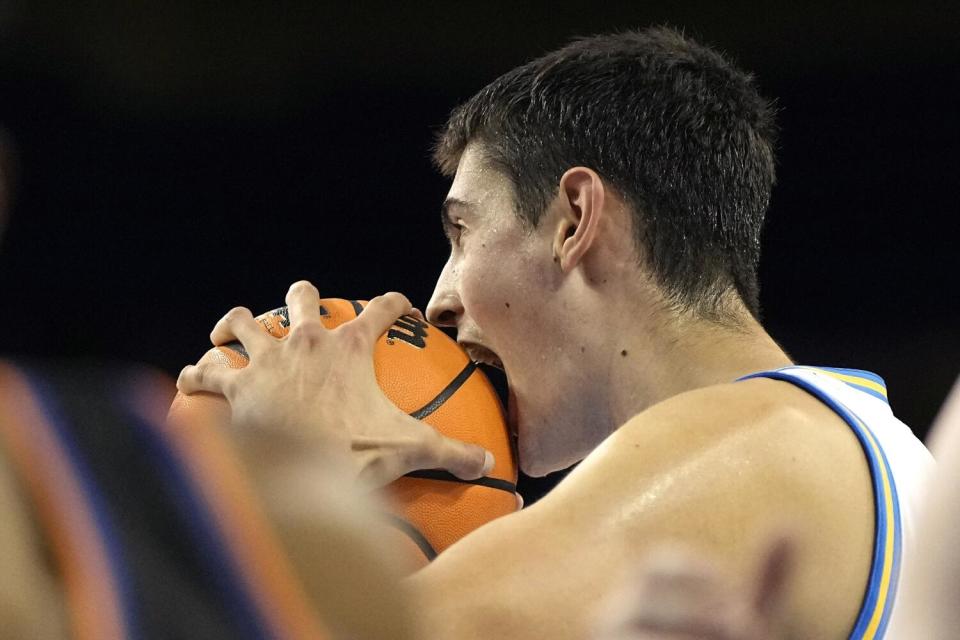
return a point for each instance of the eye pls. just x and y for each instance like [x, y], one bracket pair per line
[456, 230]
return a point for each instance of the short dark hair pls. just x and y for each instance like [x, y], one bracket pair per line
[671, 125]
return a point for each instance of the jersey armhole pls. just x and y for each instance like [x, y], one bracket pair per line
[871, 622]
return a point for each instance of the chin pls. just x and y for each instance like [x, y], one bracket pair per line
[538, 456]
[535, 468]
[535, 463]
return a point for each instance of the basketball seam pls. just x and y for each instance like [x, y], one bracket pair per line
[414, 534]
[439, 474]
[444, 395]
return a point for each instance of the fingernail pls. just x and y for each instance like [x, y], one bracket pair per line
[488, 462]
[519, 501]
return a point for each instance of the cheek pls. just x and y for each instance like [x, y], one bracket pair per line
[490, 283]
[504, 294]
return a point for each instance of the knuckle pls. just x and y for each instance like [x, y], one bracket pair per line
[436, 447]
[308, 334]
[352, 335]
[302, 286]
[408, 457]
[237, 313]
[396, 298]
[423, 452]
[193, 375]
[468, 459]
[229, 387]
[184, 376]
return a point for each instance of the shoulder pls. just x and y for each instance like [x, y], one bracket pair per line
[716, 469]
[723, 467]
[758, 429]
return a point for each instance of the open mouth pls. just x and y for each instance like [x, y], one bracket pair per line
[482, 355]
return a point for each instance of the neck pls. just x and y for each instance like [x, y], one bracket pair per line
[675, 353]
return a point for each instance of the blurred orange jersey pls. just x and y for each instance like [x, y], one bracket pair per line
[155, 532]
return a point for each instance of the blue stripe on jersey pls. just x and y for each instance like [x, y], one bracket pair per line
[204, 532]
[875, 611]
[115, 559]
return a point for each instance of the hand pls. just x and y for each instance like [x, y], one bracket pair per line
[317, 387]
[676, 595]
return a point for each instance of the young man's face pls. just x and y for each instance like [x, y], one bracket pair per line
[502, 289]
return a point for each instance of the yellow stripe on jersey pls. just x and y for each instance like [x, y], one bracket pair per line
[888, 551]
[878, 600]
[857, 380]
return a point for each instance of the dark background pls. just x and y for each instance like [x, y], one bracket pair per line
[179, 158]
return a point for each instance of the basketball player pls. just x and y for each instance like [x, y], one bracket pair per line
[604, 221]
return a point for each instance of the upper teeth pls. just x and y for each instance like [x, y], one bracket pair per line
[482, 355]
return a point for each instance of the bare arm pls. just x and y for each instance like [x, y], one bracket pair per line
[767, 455]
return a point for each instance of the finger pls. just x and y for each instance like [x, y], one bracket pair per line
[466, 461]
[416, 313]
[303, 303]
[239, 324]
[382, 312]
[213, 378]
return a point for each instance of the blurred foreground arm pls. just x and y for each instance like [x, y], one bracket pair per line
[931, 584]
[30, 603]
[677, 595]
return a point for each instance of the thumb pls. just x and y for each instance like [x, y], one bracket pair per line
[466, 461]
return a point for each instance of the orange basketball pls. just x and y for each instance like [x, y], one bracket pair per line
[428, 376]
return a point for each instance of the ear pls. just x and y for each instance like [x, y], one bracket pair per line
[581, 202]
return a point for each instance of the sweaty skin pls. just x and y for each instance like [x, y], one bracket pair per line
[767, 456]
[603, 368]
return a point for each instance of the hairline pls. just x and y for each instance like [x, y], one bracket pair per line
[721, 311]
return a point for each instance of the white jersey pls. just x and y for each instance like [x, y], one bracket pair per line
[899, 465]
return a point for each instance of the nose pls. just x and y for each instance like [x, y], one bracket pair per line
[445, 308]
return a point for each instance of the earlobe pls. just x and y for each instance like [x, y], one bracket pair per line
[581, 206]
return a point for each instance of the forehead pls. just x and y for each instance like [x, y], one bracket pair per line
[478, 182]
